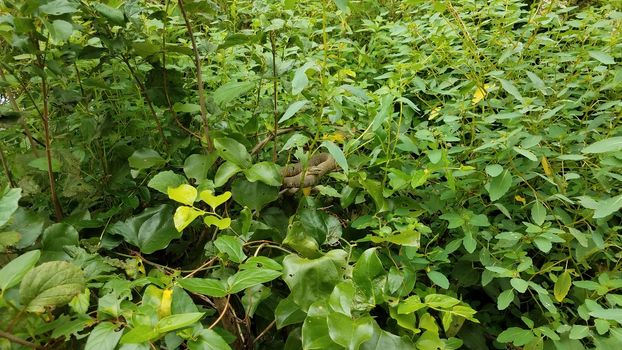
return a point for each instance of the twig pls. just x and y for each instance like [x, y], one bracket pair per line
[197, 63]
[5, 166]
[222, 313]
[264, 331]
[275, 94]
[210, 262]
[17, 340]
[270, 136]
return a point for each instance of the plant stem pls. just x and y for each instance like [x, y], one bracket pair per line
[197, 63]
[6, 169]
[17, 340]
[275, 93]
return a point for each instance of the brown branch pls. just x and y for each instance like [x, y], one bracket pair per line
[265, 331]
[5, 166]
[270, 136]
[17, 340]
[197, 63]
[222, 313]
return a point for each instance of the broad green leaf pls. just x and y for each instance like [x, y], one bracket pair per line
[224, 173]
[504, 299]
[196, 166]
[232, 246]
[58, 7]
[185, 107]
[383, 113]
[499, 185]
[440, 301]
[266, 172]
[56, 237]
[139, 334]
[526, 153]
[297, 140]
[337, 153]
[145, 158]
[538, 213]
[51, 284]
[293, 109]
[150, 231]
[579, 332]
[300, 80]
[607, 207]
[184, 193]
[613, 144]
[165, 179]
[251, 277]
[233, 151]
[287, 313]
[214, 202]
[511, 89]
[439, 279]
[103, 337]
[342, 298]
[13, 272]
[184, 216]
[410, 305]
[347, 332]
[221, 223]
[210, 287]
[254, 195]
[60, 30]
[115, 16]
[608, 314]
[519, 284]
[515, 335]
[208, 340]
[602, 57]
[494, 170]
[42, 164]
[366, 269]
[173, 322]
[9, 204]
[562, 286]
[230, 91]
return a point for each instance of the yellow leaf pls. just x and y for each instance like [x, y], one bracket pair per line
[208, 197]
[546, 166]
[306, 191]
[434, 113]
[562, 286]
[184, 216]
[479, 94]
[216, 221]
[165, 305]
[337, 137]
[520, 199]
[185, 194]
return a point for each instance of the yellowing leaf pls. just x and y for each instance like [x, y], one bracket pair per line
[184, 216]
[185, 194]
[480, 93]
[520, 199]
[434, 113]
[216, 221]
[165, 305]
[208, 197]
[337, 137]
[306, 191]
[562, 286]
[546, 166]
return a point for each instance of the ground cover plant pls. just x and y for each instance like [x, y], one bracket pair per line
[310, 175]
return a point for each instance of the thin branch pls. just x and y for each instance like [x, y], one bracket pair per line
[222, 313]
[270, 136]
[275, 94]
[6, 169]
[17, 340]
[265, 331]
[197, 63]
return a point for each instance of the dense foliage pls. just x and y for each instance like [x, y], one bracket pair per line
[474, 199]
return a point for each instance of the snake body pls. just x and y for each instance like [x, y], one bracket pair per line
[295, 176]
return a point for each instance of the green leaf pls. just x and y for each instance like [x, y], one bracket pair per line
[515, 335]
[58, 7]
[210, 287]
[232, 246]
[224, 173]
[184, 216]
[103, 337]
[607, 207]
[113, 15]
[208, 340]
[288, 313]
[292, 109]
[230, 91]
[608, 314]
[266, 172]
[42, 164]
[165, 179]
[254, 195]
[579, 332]
[499, 185]
[494, 170]
[13, 272]
[251, 277]
[526, 153]
[613, 144]
[337, 153]
[196, 166]
[439, 279]
[51, 284]
[602, 57]
[562, 286]
[509, 87]
[233, 151]
[56, 237]
[145, 158]
[347, 332]
[504, 299]
[139, 334]
[9, 204]
[342, 298]
[60, 30]
[538, 213]
[519, 284]
[183, 193]
[150, 231]
[301, 80]
[173, 322]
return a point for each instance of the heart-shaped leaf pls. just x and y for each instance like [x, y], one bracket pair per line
[218, 222]
[184, 193]
[184, 216]
[208, 197]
